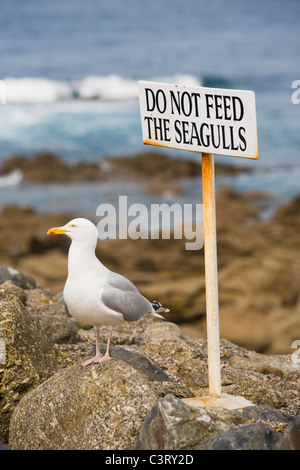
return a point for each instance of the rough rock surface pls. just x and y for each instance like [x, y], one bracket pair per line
[84, 408]
[186, 358]
[256, 436]
[8, 273]
[173, 425]
[52, 402]
[29, 355]
[290, 440]
[59, 330]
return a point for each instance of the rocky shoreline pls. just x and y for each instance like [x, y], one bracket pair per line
[47, 167]
[137, 400]
[139, 397]
[258, 268]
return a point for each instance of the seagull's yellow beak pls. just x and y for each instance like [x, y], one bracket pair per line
[57, 231]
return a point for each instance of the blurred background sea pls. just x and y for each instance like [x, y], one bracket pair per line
[70, 71]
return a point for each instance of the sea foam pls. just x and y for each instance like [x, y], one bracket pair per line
[95, 87]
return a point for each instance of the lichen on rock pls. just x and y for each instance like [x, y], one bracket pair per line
[84, 408]
[49, 401]
[29, 356]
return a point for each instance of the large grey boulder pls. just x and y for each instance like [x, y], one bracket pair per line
[28, 357]
[96, 407]
[135, 400]
[60, 330]
[20, 279]
[290, 440]
[255, 436]
[174, 425]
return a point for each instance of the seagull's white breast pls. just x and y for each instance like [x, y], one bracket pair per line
[82, 296]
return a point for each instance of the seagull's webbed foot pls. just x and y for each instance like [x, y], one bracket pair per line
[99, 358]
[96, 360]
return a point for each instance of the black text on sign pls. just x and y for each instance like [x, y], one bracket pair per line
[199, 119]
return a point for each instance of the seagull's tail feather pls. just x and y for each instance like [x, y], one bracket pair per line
[158, 308]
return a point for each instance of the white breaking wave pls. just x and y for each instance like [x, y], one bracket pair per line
[12, 179]
[36, 90]
[109, 88]
[105, 88]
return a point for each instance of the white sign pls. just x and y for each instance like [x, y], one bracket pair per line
[207, 120]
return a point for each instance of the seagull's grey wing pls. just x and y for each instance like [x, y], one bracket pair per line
[120, 295]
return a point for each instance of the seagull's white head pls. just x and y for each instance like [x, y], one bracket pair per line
[79, 230]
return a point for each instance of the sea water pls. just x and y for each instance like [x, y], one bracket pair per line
[70, 72]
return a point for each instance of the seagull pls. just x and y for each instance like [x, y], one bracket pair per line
[93, 293]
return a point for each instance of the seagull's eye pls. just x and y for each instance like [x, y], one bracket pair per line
[73, 225]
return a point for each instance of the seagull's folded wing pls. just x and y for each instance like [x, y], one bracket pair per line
[120, 295]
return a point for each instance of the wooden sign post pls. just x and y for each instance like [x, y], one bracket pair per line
[210, 121]
[211, 274]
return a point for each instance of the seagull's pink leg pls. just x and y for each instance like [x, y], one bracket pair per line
[98, 353]
[106, 356]
[99, 358]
